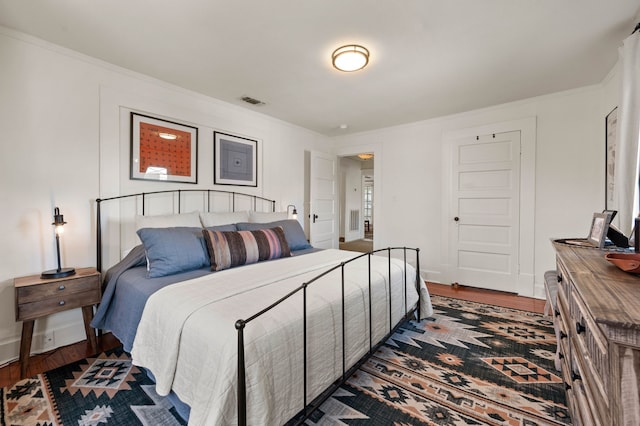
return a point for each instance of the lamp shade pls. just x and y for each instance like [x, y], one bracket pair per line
[349, 58]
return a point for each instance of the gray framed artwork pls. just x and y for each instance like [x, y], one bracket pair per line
[235, 160]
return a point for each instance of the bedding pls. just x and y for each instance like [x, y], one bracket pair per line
[266, 217]
[173, 250]
[127, 288]
[293, 231]
[187, 339]
[224, 218]
[191, 220]
[237, 248]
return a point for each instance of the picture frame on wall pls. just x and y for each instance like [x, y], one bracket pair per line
[599, 228]
[235, 160]
[163, 150]
[611, 128]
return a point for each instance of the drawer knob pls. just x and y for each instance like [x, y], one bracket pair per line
[61, 287]
[567, 386]
[559, 278]
[61, 303]
[579, 327]
[563, 334]
[557, 313]
[560, 355]
[575, 376]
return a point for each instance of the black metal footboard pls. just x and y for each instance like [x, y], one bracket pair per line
[346, 372]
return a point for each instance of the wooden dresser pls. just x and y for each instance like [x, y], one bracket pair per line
[597, 319]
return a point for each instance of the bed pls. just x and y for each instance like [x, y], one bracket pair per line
[260, 340]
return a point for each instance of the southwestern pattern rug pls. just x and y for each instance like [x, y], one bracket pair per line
[470, 364]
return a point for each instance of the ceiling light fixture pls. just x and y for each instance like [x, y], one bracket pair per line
[349, 58]
[365, 156]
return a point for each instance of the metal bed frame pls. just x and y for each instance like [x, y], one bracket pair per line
[309, 408]
[241, 324]
[173, 192]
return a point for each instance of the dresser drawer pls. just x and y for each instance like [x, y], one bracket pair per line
[591, 343]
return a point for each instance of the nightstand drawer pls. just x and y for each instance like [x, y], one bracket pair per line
[55, 304]
[60, 289]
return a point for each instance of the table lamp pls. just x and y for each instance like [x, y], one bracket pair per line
[58, 222]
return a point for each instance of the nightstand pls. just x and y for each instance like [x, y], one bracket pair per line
[37, 297]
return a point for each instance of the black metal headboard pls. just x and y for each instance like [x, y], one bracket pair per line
[233, 198]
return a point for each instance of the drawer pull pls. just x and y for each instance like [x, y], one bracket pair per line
[559, 278]
[560, 355]
[575, 376]
[61, 303]
[567, 386]
[557, 313]
[563, 334]
[61, 287]
[579, 327]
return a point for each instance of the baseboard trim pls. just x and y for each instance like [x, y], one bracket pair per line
[62, 336]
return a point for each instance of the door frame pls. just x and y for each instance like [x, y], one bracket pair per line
[526, 250]
[376, 150]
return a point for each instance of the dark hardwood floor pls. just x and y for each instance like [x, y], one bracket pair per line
[507, 300]
[10, 373]
[39, 363]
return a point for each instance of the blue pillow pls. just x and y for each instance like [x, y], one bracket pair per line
[293, 232]
[173, 250]
[223, 228]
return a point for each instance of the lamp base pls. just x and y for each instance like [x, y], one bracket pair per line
[58, 273]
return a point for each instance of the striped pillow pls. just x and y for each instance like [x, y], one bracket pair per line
[234, 248]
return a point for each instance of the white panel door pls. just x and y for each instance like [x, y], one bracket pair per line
[485, 211]
[323, 194]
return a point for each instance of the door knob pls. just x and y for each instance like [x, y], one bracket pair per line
[315, 216]
[456, 218]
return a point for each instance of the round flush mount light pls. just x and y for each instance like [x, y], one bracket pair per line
[349, 58]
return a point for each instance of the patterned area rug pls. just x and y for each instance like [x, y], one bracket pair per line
[470, 364]
[104, 390]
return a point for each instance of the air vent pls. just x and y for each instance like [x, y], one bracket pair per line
[252, 101]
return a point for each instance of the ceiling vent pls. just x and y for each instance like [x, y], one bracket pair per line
[252, 101]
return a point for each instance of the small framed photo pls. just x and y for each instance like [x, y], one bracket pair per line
[163, 150]
[235, 160]
[599, 227]
[611, 129]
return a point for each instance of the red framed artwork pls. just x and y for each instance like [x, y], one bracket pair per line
[163, 150]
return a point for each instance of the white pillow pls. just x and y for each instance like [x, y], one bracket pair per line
[191, 220]
[259, 217]
[223, 218]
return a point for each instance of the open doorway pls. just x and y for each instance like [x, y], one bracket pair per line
[356, 202]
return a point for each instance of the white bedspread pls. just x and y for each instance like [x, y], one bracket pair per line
[187, 336]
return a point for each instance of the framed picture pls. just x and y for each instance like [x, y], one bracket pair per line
[599, 227]
[163, 150]
[611, 126]
[235, 160]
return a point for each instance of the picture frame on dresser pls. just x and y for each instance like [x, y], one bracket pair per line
[611, 128]
[599, 228]
[163, 150]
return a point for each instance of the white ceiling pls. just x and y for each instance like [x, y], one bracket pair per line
[428, 58]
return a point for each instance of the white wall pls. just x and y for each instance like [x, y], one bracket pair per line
[65, 142]
[569, 174]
